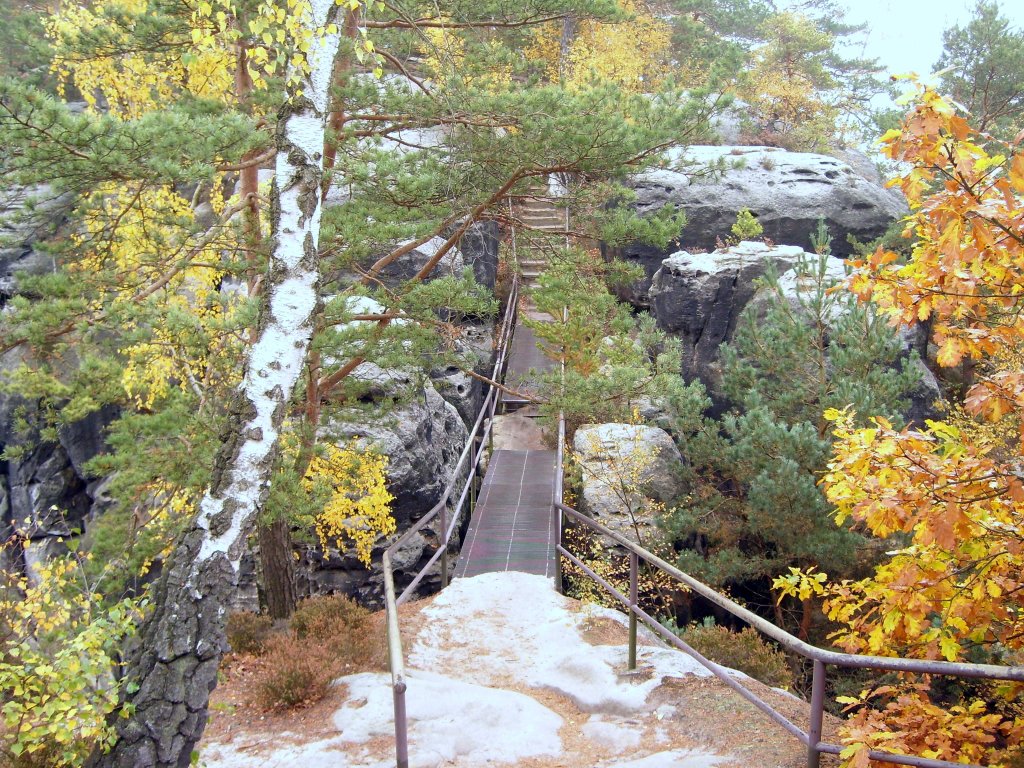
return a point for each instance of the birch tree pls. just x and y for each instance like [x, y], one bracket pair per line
[174, 666]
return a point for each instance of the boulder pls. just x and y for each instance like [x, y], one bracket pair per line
[788, 192]
[625, 467]
[698, 297]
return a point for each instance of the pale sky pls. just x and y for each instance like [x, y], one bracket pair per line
[907, 36]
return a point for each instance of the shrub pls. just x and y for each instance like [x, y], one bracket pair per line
[327, 617]
[329, 636]
[743, 650]
[747, 227]
[59, 644]
[247, 632]
[296, 672]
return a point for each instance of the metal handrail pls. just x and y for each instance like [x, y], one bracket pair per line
[447, 528]
[811, 738]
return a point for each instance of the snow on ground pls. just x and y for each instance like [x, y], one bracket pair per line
[451, 720]
[500, 673]
[519, 616]
[675, 758]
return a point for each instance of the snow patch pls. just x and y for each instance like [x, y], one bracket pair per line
[450, 722]
[539, 625]
[239, 754]
[676, 758]
[615, 735]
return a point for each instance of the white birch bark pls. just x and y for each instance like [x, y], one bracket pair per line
[181, 643]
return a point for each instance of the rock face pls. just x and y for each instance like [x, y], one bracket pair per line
[45, 492]
[624, 464]
[459, 388]
[788, 192]
[422, 437]
[476, 249]
[698, 297]
[26, 217]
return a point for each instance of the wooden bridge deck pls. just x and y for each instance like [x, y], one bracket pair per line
[513, 528]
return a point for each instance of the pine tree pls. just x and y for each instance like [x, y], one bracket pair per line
[982, 66]
[755, 509]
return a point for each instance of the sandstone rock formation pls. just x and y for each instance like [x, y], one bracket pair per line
[698, 297]
[26, 217]
[422, 436]
[788, 192]
[476, 249]
[624, 465]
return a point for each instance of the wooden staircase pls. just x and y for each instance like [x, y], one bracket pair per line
[538, 215]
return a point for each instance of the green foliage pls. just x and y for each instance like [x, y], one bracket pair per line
[745, 650]
[747, 227]
[982, 67]
[24, 52]
[803, 94]
[615, 364]
[756, 508]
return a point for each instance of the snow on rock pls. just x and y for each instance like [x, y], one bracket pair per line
[539, 625]
[451, 721]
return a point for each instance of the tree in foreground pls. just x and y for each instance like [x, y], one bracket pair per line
[949, 498]
[755, 509]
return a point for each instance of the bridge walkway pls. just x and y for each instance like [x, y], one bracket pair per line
[513, 528]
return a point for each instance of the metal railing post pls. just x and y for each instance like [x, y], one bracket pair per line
[559, 569]
[472, 487]
[812, 737]
[634, 592]
[817, 714]
[401, 728]
[444, 543]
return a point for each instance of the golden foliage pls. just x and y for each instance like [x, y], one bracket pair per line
[131, 81]
[358, 510]
[952, 494]
[58, 651]
[137, 247]
[632, 54]
[788, 92]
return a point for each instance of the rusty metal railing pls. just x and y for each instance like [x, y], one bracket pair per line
[477, 438]
[821, 658]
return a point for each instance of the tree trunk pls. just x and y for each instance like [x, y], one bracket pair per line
[565, 45]
[173, 666]
[278, 568]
